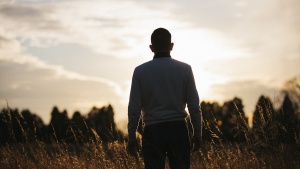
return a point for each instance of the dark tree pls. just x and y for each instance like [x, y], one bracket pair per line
[267, 128]
[212, 120]
[289, 118]
[34, 126]
[102, 120]
[234, 122]
[59, 125]
[292, 88]
[26, 127]
[82, 132]
[264, 112]
[6, 127]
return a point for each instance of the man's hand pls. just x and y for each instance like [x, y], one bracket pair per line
[132, 147]
[196, 143]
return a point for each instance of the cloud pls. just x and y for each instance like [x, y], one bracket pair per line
[3, 41]
[103, 26]
[12, 50]
[31, 82]
[57, 72]
[25, 86]
[31, 24]
[22, 12]
[6, 1]
[28, 82]
[29, 17]
[262, 42]
[265, 28]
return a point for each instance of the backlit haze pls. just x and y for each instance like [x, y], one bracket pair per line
[81, 53]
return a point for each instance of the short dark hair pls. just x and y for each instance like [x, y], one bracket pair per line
[161, 39]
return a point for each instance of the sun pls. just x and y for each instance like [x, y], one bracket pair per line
[200, 48]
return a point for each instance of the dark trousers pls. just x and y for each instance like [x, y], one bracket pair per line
[167, 139]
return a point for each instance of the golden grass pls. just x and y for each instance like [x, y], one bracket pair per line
[114, 155]
[252, 153]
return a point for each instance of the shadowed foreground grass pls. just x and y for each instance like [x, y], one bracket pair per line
[263, 148]
[113, 155]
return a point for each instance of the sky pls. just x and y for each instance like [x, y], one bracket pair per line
[76, 54]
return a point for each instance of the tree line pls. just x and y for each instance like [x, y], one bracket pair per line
[221, 123]
[228, 123]
[24, 126]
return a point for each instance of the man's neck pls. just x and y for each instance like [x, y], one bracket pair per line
[161, 54]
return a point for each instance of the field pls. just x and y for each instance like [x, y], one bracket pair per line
[270, 143]
[114, 155]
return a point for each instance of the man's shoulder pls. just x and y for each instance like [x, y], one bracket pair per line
[181, 63]
[143, 65]
[152, 64]
[171, 60]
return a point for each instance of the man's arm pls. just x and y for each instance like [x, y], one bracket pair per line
[194, 107]
[134, 106]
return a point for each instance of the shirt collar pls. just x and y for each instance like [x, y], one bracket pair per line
[161, 55]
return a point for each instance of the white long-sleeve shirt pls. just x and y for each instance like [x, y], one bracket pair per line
[161, 89]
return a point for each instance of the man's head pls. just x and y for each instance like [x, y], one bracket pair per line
[161, 41]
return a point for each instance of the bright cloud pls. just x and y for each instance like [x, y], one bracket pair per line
[38, 88]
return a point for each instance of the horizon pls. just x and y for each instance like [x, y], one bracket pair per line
[122, 123]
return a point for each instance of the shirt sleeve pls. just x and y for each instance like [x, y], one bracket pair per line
[193, 105]
[134, 106]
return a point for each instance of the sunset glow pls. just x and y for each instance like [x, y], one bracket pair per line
[79, 54]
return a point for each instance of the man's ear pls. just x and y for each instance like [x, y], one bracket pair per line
[171, 46]
[151, 47]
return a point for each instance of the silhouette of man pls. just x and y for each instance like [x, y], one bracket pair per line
[161, 89]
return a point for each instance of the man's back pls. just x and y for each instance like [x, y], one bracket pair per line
[164, 83]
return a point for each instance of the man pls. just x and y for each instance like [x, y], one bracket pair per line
[161, 89]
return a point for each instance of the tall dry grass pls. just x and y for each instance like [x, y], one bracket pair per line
[252, 153]
[113, 155]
